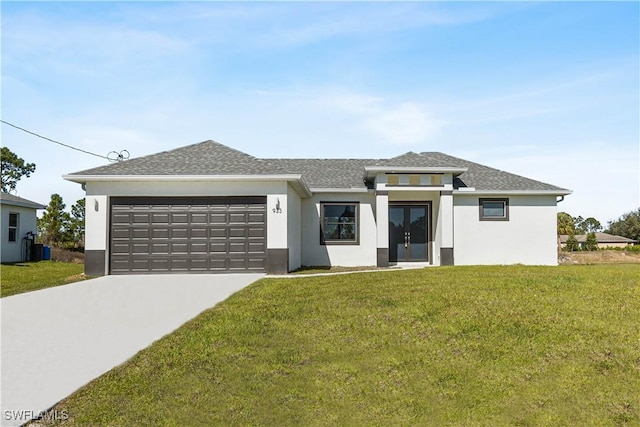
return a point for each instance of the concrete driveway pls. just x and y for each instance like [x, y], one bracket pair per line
[56, 340]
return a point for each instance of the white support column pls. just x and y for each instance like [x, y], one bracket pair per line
[382, 228]
[446, 222]
[96, 235]
[277, 249]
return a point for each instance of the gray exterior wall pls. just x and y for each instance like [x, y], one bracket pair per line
[14, 251]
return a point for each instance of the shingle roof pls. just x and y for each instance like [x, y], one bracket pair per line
[600, 237]
[10, 199]
[327, 173]
[213, 158]
[485, 178]
[426, 159]
[205, 158]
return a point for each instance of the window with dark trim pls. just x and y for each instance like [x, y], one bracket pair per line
[13, 226]
[339, 223]
[494, 209]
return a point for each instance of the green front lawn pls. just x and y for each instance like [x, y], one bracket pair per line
[473, 346]
[31, 276]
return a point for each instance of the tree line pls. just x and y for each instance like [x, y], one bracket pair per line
[57, 227]
[627, 225]
[60, 228]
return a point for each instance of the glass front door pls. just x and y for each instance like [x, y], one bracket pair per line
[408, 233]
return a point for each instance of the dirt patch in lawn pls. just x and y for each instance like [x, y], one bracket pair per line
[599, 257]
[67, 255]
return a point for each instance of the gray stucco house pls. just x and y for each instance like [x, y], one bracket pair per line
[18, 217]
[604, 240]
[209, 208]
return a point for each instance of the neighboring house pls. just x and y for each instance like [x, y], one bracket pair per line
[604, 240]
[209, 208]
[18, 218]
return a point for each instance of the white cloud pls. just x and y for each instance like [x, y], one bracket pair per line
[402, 122]
[38, 44]
[545, 96]
[277, 25]
[405, 123]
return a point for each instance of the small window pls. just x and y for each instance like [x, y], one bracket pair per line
[414, 180]
[13, 227]
[339, 223]
[494, 209]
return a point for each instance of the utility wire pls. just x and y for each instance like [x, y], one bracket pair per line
[57, 142]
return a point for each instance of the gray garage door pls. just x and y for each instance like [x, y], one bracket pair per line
[186, 234]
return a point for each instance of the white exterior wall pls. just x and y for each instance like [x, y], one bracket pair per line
[362, 254]
[96, 222]
[277, 221]
[528, 237]
[381, 210]
[15, 251]
[186, 188]
[445, 220]
[294, 227]
[436, 229]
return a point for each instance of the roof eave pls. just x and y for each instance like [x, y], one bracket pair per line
[372, 170]
[339, 190]
[23, 205]
[295, 179]
[558, 192]
[252, 177]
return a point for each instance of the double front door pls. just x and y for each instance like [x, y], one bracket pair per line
[408, 233]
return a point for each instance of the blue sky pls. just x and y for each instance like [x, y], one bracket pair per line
[548, 90]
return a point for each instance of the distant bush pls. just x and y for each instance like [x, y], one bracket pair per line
[628, 248]
[572, 244]
[66, 255]
[591, 243]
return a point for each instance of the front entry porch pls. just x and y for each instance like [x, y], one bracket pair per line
[409, 231]
[415, 226]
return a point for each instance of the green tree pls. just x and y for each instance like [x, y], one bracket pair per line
[588, 225]
[628, 225]
[591, 243]
[565, 223]
[76, 223]
[13, 169]
[54, 226]
[572, 244]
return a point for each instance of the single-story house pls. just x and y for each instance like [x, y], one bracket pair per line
[604, 240]
[18, 219]
[209, 208]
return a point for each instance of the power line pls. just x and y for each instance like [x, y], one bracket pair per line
[58, 142]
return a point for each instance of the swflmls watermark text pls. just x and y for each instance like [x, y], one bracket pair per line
[28, 414]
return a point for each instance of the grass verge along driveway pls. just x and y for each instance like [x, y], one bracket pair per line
[439, 346]
[32, 276]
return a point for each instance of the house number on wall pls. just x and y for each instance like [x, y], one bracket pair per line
[277, 209]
